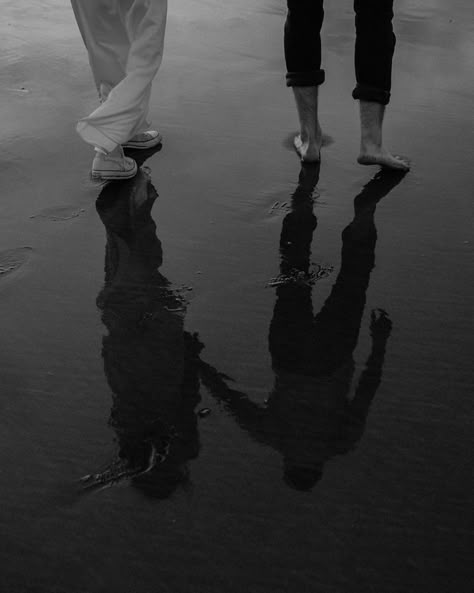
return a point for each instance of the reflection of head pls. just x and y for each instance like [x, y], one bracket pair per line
[302, 477]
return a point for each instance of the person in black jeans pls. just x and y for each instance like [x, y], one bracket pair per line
[374, 48]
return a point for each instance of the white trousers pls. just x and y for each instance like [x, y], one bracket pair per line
[124, 40]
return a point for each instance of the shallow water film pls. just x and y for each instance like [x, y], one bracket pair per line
[233, 373]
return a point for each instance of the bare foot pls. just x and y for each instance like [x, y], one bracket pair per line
[372, 151]
[380, 156]
[309, 151]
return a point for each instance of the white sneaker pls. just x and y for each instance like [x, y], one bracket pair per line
[115, 165]
[145, 140]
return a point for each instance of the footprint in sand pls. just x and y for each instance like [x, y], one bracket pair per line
[60, 213]
[12, 260]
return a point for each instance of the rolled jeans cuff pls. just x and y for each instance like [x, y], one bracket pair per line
[312, 78]
[92, 135]
[364, 92]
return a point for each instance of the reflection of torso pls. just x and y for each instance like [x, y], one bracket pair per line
[144, 350]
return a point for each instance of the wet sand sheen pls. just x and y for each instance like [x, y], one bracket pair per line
[322, 315]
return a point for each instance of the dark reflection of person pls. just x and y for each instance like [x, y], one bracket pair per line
[149, 360]
[309, 416]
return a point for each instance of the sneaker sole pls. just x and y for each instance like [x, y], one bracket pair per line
[144, 145]
[113, 175]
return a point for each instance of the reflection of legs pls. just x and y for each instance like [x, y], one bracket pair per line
[336, 327]
[290, 328]
[375, 45]
[339, 321]
[304, 74]
[124, 112]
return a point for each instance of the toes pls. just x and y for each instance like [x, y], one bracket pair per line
[399, 163]
[399, 160]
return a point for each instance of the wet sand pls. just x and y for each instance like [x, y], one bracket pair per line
[323, 316]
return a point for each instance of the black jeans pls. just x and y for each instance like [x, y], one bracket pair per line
[374, 46]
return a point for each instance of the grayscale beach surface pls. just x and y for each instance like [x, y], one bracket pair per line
[101, 312]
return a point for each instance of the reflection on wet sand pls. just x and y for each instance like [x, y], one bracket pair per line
[309, 417]
[149, 360]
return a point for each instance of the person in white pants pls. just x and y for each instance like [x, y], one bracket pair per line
[124, 40]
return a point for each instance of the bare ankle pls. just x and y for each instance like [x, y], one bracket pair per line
[368, 145]
[307, 105]
[371, 122]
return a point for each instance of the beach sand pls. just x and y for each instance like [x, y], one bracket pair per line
[100, 311]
